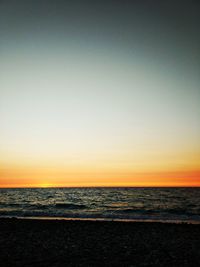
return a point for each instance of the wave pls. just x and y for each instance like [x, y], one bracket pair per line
[70, 206]
[109, 203]
[163, 212]
[46, 206]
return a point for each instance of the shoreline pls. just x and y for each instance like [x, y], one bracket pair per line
[99, 219]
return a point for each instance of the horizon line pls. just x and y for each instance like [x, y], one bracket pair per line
[136, 186]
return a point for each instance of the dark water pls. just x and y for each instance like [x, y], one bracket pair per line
[179, 204]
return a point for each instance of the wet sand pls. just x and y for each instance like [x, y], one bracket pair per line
[90, 243]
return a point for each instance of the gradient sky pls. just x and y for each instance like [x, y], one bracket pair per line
[99, 93]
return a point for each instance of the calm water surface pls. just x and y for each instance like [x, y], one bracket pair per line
[179, 204]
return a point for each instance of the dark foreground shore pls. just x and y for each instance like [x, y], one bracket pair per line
[88, 243]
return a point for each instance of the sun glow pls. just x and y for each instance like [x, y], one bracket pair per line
[45, 185]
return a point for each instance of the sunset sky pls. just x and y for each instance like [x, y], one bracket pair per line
[99, 93]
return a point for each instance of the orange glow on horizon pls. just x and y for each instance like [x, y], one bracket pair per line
[101, 179]
[102, 173]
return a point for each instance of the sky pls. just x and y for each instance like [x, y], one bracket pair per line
[99, 93]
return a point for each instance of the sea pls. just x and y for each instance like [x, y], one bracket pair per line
[126, 204]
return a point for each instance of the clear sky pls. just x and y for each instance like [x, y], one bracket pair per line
[99, 93]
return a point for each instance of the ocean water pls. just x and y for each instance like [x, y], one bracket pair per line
[162, 204]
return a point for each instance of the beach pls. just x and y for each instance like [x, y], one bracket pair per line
[28, 242]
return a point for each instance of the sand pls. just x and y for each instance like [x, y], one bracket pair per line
[89, 243]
